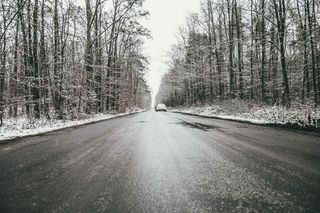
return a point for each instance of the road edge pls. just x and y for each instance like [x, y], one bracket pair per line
[16, 139]
[289, 126]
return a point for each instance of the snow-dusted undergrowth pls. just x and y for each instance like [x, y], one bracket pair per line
[303, 115]
[19, 127]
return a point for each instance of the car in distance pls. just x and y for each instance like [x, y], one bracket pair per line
[161, 107]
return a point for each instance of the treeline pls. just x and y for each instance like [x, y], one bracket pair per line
[263, 50]
[59, 59]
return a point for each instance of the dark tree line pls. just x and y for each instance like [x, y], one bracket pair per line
[58, 59]
[266, 50]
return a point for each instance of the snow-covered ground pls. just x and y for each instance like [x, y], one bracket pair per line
[300, 115]
[20, 127]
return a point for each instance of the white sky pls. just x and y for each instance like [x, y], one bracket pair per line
[166, 16]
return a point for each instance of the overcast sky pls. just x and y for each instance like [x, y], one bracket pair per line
[165, 18]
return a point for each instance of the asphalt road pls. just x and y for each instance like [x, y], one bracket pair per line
[162, 162]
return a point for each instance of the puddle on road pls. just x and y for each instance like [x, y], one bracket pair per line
[142, 121]
[203, 127]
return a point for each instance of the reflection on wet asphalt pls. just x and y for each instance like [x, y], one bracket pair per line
[162, 162]
[204, 127]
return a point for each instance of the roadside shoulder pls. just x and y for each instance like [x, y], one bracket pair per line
[287, 126]
[17, 129]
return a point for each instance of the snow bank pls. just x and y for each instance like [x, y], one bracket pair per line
[298, 114]
[20, 127]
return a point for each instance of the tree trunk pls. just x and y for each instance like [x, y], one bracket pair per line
[231, 49]
[3, 46]
[280, 11]
[313, 59]
[35, 87]
[239, 37]
[263, 52]
[13, 106]
[56, 62]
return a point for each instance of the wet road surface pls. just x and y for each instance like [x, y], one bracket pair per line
[162, 162]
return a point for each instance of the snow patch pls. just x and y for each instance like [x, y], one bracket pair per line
[20, 127]
[298, 114]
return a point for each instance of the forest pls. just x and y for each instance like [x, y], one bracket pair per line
[259, 51]
[63, 58]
